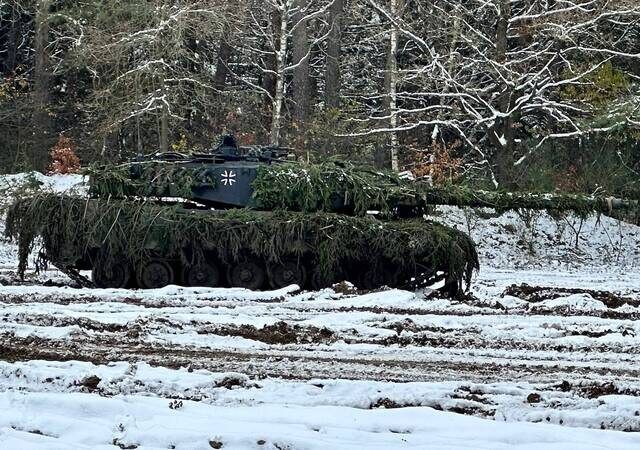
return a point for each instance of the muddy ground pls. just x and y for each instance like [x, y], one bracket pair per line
[581, 340]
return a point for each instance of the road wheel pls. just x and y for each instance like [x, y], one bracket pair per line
[371, 278]
[116, 276]
[154, 274]
[321, 280]
[247, 274]
[286, 273]
[203, 275]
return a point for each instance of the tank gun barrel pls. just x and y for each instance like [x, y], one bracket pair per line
[344, 187]
[581, 204]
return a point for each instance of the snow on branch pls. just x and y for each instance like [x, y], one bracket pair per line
[510, 76]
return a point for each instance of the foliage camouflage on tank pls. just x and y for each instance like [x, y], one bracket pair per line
[146, 179]
[315, 187]
[80, 232]
[310, 187]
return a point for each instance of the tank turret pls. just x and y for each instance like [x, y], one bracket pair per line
[263, 180]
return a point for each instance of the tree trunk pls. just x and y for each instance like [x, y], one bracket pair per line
[334, 41]
[278, 98]
[300, 86]
[12, 40]
[225, 50]
[502, 133]
[164, 119]
[42, 125]
[392, 68]
[222, 63]
[502, 29]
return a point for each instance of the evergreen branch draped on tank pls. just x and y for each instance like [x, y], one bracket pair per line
[314, 187]
[146, 179]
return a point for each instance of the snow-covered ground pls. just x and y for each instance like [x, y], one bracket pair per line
[544, 354]
[234, 419]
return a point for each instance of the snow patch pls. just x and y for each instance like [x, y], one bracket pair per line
[572, 303]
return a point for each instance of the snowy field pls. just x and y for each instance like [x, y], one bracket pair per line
[542, 355]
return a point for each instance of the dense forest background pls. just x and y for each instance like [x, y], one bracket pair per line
[528, 94]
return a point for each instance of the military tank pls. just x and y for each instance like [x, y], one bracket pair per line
[245, 217]
[250, 217]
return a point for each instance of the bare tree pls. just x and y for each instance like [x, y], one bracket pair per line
[159, 72]
[334, 43]
[503, 81]
[282, 23]
[493, 81]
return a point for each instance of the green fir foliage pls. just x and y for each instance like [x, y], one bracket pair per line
[599, 88]
[147, 179]
[329, 186]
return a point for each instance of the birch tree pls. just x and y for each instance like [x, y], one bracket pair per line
[394, 10]
[280, 34]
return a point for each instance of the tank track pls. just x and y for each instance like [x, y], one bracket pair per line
[253, 273]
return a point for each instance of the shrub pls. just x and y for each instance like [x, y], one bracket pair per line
[63, 157]
[438, 162]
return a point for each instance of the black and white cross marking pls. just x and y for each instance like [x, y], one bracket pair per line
[228, 178]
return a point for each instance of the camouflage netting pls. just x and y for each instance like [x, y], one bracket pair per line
[316, 187]
[71, 226]
[146, 179]
[302, 187]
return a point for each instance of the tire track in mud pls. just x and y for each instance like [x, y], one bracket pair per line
[461, 308]
[285, 338]
[306, 363]
[322, 337]
[402, 334]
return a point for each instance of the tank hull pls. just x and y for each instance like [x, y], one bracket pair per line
[144, 244]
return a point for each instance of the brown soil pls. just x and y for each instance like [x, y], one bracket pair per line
[595, 389]
[44, 320]
[534, 397]
[277, 364]
[278, 333]
[465, 340]
[468, 409]
[536, 294]
[91, 383]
